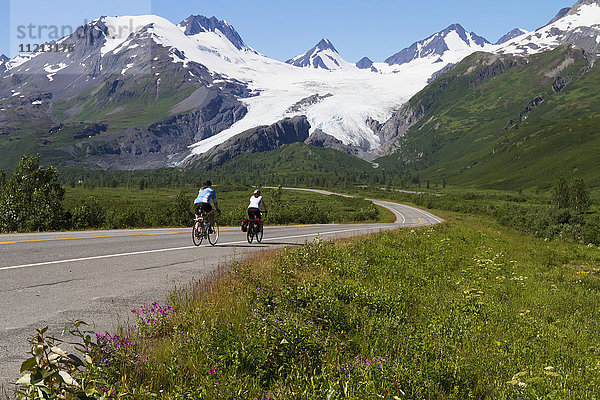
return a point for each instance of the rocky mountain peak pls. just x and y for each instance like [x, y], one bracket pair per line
[364, 63]
[196, 24]
[325, 44]
[559, 15]
[511, 35]
[322, 56]
[438, 44]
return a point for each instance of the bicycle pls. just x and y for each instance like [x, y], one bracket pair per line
[255, 229]
[202, 229]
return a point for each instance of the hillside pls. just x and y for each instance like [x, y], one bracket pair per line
[294, 164]
[504, 122]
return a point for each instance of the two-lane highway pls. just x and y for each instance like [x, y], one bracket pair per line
[99, 276]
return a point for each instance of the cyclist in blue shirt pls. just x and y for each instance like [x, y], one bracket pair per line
[202, 202]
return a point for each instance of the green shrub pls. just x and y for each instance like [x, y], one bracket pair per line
[31, 199]
[88, 214]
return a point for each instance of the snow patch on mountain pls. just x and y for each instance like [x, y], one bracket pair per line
[440, 46]
[580, 27]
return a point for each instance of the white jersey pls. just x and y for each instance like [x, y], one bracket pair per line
[255, 202]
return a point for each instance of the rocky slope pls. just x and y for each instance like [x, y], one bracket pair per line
[256, 140]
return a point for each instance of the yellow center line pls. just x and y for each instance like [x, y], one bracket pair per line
[100, 237]
[420, 221]
[91, 237]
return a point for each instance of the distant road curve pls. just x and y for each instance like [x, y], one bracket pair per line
[99, 276]
[405, 215]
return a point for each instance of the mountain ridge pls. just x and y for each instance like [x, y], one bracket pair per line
[161, 75]
[436, 45]
[503, 122]
[196, 24]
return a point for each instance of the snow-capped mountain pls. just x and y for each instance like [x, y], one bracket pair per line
[323, 55]
[157, 59]
[453, 39]
[580, 26]
[211, 86]
[511, 35]
[196, 24]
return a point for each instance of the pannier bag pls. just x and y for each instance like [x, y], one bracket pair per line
[245, 223]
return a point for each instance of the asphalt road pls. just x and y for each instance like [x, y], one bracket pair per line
[99, 276]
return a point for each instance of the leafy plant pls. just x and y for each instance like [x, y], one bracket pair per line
[31, 199]
[51, 373]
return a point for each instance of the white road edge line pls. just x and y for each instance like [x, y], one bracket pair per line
[389, 206]
[172, 249]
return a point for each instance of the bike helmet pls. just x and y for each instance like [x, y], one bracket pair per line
[257, 191]
[207, 183]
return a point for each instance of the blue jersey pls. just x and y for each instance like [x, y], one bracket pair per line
[206, 195]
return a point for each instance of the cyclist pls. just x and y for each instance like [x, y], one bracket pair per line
[256, 200]
[202, 202]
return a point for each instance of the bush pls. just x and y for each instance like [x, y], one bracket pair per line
[31, 199]
[88, 214]
[591, 231]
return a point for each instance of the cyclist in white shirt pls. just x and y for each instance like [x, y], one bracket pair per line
[256, 200]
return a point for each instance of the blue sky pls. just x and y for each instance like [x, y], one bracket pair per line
[284, 29]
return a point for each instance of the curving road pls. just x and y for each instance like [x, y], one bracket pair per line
[50, 278]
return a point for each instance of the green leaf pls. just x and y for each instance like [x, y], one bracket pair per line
[36, 377]
[76, 360]
[28, 364]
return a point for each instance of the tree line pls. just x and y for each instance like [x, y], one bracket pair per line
[32, 199]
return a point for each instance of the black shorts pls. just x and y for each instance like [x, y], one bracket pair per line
[202, 207]
[253, 213]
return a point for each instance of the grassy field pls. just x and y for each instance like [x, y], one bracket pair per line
[285, 207]
[466, 309]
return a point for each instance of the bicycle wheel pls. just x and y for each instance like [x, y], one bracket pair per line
[197, 233]
[213, 233]
[250, 232]
[259, 233]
